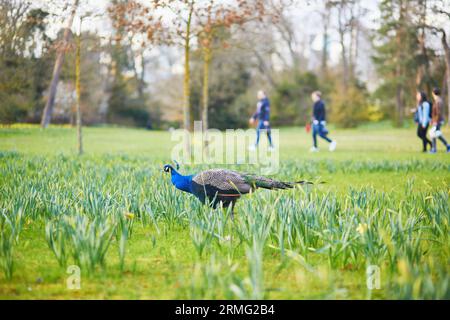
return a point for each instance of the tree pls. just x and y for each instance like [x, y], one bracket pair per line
[395, 56]
[291, 102]
[285, 27]
[24, 57]
[325, 16]
[78, 90]
[136, 29]
[446, 47]
[228, 85]
[349, 15]
[215, 18]
[47, 113]
[423, 59]
[349, 109]
[178, 30]
[441, 8]
[343, 24]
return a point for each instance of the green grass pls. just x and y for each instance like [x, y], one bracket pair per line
[113, 212]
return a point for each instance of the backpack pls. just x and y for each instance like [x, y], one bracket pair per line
[430, 110]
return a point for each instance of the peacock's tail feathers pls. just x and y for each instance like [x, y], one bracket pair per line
[302, 182]
[267, 183]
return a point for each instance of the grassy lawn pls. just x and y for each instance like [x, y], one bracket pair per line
[114, 213]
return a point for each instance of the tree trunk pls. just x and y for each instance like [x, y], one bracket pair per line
[423, 71]
[325, 39]
[448, 95]
[187, 73]
[399, 70]
[78, 90]
[351, 32]
[141, 78]
[400, 106]
[264, 69]
[357, 33]
[341, 30]
[444, 93]
[207, 55]
[47, 113]
[447, 65]
[206, 64]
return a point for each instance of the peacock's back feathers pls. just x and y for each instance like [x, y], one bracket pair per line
[222, 180]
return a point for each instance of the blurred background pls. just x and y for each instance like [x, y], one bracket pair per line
[367, 57]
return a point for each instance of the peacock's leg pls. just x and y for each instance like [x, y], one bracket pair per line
[232, 209]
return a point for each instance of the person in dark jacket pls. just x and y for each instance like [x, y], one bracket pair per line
[263, 115]
[319, 122]
[437, 120]
[422, 118]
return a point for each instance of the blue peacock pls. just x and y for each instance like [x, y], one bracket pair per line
[222, 186]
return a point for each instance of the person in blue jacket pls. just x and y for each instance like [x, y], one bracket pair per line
[263, 115]
[423, 118]
[319, 122]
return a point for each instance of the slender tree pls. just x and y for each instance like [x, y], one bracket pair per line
[47, 113]
[435, 9]
[442, 9]
[325, 17]
[78, 89]
[446, 46]
[342, 30]
[396, 56]
[187, 109]
[423, 68]
[178, 29]
[212, 19]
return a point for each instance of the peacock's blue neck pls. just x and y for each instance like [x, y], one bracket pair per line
[182, 182]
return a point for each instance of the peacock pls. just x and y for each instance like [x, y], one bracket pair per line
[222, 186]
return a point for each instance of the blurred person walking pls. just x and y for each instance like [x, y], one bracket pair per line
[437, 121]
[319, 122]
[263, 115]
[422, 118]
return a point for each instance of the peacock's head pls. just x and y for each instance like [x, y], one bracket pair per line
[169, 168]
